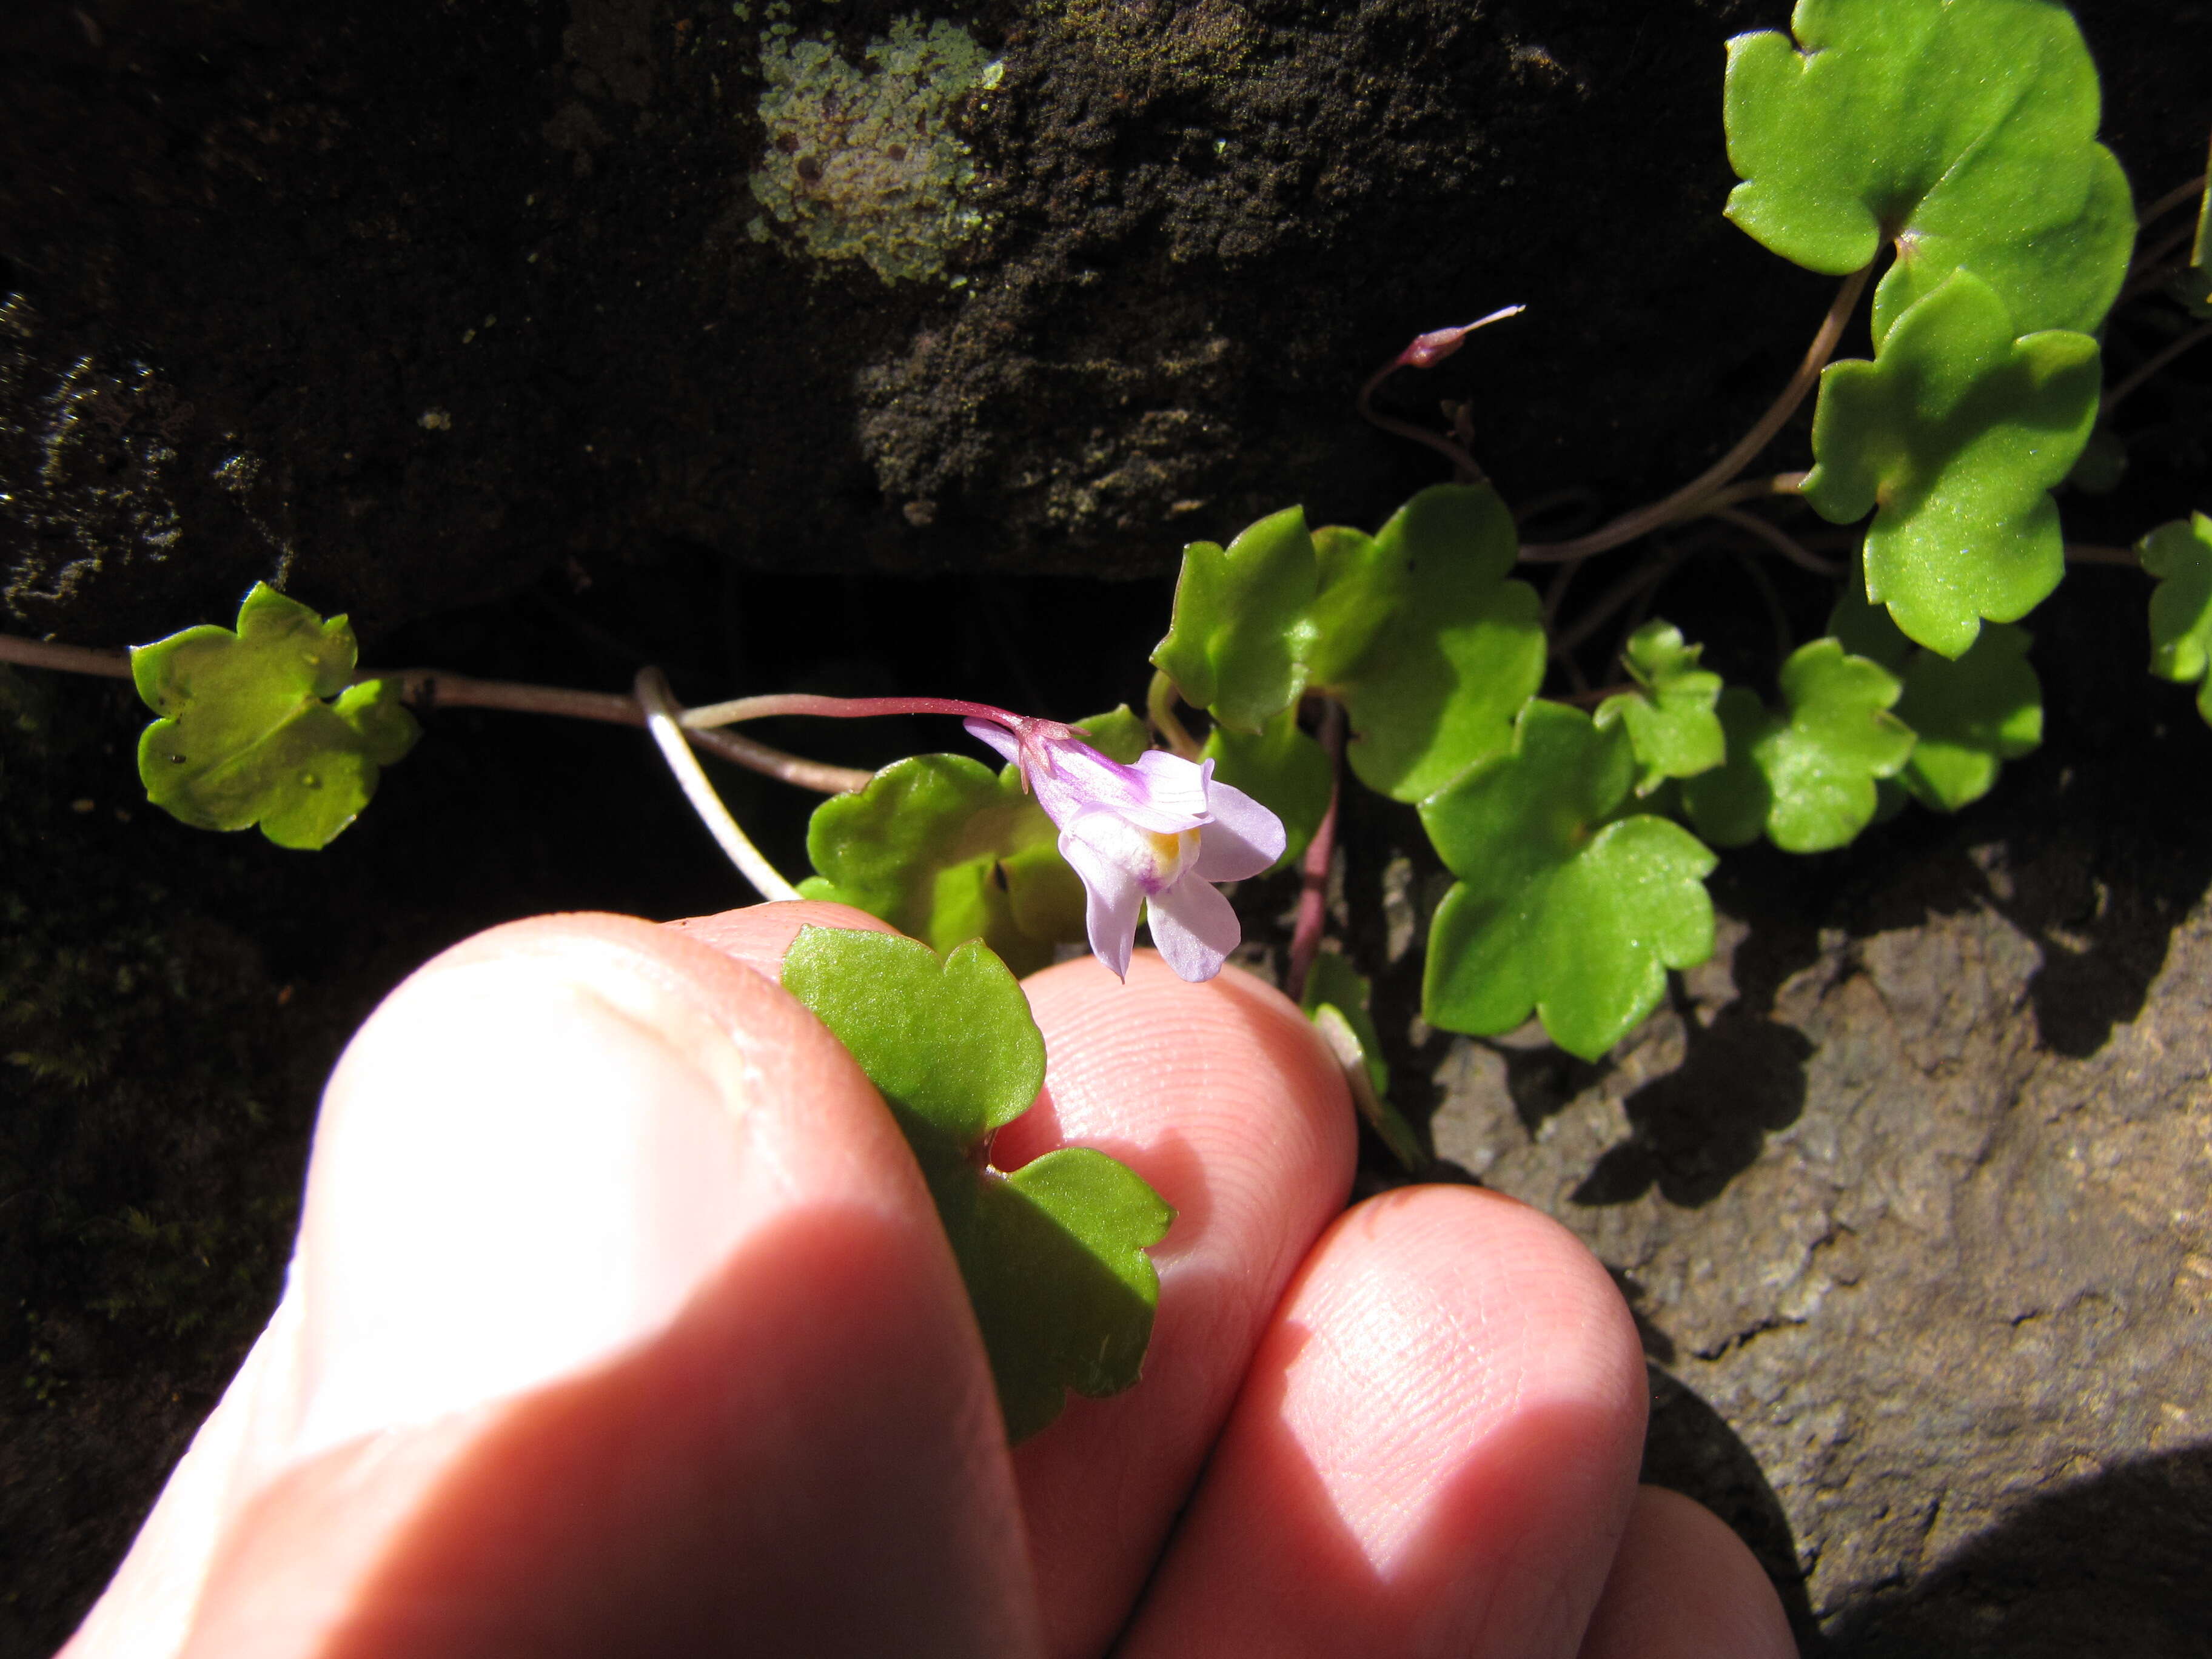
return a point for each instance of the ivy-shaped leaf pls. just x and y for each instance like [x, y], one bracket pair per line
[1669, 716]
[1964, 130]
[261, 726]
[1953, 438]
[1431, 649]
[2179, 555]
[1052, 1254]
[1236, 644]
[946, 850]
[1807, 776]
[1282, 769]
[1561, 907]
[1336, 1000]
[1970, 716]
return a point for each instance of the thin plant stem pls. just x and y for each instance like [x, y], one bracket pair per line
[1620, 593]
[2173, 199]
[1685, 501]
[1753, 489]
[2148, 270]
[2091, 553]
[427, 688]
[1777, 539]
[1159, 708]
[2158, 359]
[1464, 467]
[661, 720]
[1313, 868]
[836, 708]
[67, 658]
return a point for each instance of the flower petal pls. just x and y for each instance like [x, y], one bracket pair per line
[1243, 838]
[1194, 928]
[1158, 799]
[1113, 894]
[996, 736]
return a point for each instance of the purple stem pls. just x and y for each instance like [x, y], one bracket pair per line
[1313, 868]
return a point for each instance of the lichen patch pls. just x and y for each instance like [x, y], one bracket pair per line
[863, 163]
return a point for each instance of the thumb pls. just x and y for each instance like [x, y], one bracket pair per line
[620, 1322]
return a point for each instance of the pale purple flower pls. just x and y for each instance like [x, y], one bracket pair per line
[1157, 835]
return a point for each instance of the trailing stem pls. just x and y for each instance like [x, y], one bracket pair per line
[1689, 500]
[661, 720]
[1313, 868]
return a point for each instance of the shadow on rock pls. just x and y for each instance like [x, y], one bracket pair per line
[2112, 1567]
[1690, 1450]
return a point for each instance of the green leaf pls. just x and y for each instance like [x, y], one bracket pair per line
[1561, 907]
[1053, 1255]
[945, 850]
[1282, 769]
[1431, 648]
[260, 726]
[1053, 1258]
[1964, 130]
[1336, 1000]
[2179, 555]
[1669, 716]
[1236, 644]
[949, 1043]
[1805, 777]
[1970, 716]
[1953, 437]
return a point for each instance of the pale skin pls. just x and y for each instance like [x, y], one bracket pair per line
[621, 1324]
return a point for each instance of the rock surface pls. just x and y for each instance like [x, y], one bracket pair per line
[401, 306]
[1925, 1277]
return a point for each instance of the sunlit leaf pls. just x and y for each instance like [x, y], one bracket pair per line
[261, 726]
[946, 850]
[1236, 644]
[1052, 1254]
[1447, 649]
[1282, 769]
[1669, 716]
[1953, 438]
[2179, 555]
[1962, 130]
[1561, 906]
[1805, 776]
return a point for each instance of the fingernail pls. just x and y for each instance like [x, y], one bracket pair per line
[524, 1165]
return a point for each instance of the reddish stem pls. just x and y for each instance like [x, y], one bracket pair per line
[1313, 868]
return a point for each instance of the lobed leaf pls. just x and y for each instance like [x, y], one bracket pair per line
[1805, 777]
[946, 851]
[1282, 769]
[1963, 130]
[1053, 1255]
[1561, 906]
[2179, 555]
[949, 1042]
[1954, 437]
[1431, 649]
[1669, 716]
[1236, 642]
[1970, 717]
[260, 726]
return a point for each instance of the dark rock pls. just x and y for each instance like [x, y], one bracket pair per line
[400, 305]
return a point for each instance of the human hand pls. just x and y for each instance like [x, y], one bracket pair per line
[621, 1323]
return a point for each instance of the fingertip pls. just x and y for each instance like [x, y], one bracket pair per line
[1684, 1586]
[760, 935]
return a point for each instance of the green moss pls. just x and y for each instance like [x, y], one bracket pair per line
[865, 164]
